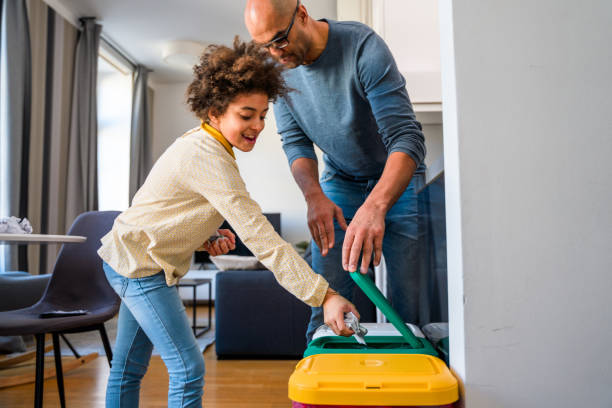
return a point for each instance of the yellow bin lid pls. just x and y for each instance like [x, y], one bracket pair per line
[373, 379]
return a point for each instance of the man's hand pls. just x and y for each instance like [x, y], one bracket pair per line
[364, 235]
[366, 231]
[321, 210]
[221, 245]
[334, 308]
[321, 214]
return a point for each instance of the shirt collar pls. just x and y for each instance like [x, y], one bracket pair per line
[217, 135]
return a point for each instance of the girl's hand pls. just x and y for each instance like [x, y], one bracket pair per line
[220, 245]
[334, 308]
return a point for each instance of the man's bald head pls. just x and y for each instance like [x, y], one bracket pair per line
[263, 18]
[257, 10]
[286, 30]
[282, 7]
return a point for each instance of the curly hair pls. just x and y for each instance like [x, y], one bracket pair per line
[224, 72]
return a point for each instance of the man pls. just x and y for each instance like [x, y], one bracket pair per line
[351, 101]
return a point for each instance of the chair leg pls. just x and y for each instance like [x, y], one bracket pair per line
[40, 370]
[76, 354]
[107, 347]
[59, 375]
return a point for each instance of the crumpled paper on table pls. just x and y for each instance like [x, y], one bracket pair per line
[14, 225]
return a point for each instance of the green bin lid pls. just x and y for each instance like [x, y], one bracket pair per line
[372, 292]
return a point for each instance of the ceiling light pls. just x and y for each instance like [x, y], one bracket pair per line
[182, 54]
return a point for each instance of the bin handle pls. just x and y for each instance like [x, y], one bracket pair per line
[381, 302]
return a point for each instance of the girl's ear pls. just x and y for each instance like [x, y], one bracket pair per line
[213, 118]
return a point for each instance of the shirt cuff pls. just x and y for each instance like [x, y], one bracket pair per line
[296, 152]
[318, 293]
[415, 156]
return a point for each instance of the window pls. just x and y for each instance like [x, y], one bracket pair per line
[4, 159]
[4, 182]
[114, 122]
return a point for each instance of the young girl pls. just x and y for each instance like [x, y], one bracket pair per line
[191, 189]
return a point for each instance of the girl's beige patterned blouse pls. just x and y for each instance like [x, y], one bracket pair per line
[191, 189]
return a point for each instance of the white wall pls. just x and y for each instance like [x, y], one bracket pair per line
[320, 8]
[265, 170]
[171, 116]
[410, 28]
[527, 128]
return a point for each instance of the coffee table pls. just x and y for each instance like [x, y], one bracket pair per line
[194, 283]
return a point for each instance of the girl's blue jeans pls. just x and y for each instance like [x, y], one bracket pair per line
[152, 314]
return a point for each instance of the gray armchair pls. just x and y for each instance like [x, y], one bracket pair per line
[19, 290]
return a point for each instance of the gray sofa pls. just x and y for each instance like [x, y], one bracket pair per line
[256, 317]
[19, 290]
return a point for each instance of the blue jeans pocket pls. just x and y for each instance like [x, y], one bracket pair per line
[118, 283]
[326, 176]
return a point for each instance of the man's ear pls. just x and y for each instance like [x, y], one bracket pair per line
[302, 14]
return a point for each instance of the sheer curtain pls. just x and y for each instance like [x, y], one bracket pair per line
[15, 106]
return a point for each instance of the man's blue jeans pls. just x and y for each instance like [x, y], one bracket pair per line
[400, 246]
[152, 314]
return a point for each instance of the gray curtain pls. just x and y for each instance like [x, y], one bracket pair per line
[15, 125]
[82, 181]
[61, 48]
[140, 144]
[38, 16]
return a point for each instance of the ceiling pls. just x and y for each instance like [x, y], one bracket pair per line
[142, 28]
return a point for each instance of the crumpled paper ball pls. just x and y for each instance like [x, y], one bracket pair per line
[14, 225]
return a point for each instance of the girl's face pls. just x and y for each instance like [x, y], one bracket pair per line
[243, 120]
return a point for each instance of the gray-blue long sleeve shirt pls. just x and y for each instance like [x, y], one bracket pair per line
[352, 103]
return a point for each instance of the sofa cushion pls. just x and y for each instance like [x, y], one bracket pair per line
[255, 316]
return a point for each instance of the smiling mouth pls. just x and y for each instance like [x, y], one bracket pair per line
[250, 139]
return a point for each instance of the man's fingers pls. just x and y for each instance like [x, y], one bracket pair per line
[346, 250]
[367, 255]
[314, 233]
[340, 218]
[329, 227]
[323, 238]
[355, 252]
[378, 240]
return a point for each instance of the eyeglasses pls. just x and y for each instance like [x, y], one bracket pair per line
[281, 41]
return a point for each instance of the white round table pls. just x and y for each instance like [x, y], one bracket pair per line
[26, 239]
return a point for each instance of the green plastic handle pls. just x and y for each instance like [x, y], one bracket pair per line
[372, 292]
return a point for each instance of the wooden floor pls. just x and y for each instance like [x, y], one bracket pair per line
[229, 384]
